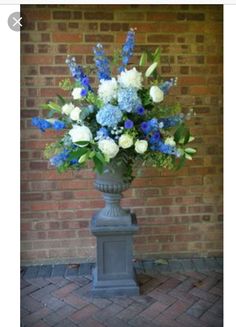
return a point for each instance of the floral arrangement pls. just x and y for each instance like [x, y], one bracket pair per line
[124, 120]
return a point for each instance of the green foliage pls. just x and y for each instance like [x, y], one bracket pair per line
[182, 134]
[66, 85]
[94, 99]
[52, 149]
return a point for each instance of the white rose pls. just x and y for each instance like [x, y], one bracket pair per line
[170, 141]
[108, 147]
[156, 94]
[76, 93]
[80, 133]
[75, 113]
[107, 90]
[131, 78]
[67, 108]
[141, 146]
[125, 141]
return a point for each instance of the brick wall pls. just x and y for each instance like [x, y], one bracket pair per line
[179, 214]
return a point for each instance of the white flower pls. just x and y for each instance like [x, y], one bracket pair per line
[156, 94]
[76, 93]
[108, 147]
[75, 114]
[131, 78]
[107, 90]
[80, 133]
[170, 141]
[141, 146]
[67, 108]
[125, 141]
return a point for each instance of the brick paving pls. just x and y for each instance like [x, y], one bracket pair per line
[186, 293]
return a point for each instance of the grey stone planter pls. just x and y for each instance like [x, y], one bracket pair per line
[113, 227]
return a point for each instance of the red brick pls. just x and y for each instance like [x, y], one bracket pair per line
[67, 37]
[84, 313]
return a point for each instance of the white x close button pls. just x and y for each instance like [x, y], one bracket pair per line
[14, 21]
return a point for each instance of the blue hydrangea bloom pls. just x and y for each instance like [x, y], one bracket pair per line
[129, 124]
[165, 87]
[171, 121]
[127, 50]
[58, 125]
[59, 158]
[109, 116]
[101, 62]
[128, 99]
[102, 133]
[164, 148]
[41, 123]
[78, 73]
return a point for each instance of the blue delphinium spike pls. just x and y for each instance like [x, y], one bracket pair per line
[78, 73]
[128, 48]
[102, 63]
[165, 87]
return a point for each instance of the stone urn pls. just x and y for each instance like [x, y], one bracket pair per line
[114, 227]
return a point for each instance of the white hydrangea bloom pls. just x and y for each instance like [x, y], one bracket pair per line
[67, 108]
[107, 90]
[108, 147]
[75, 114]
[130, 78]
[170, 141]
[125, 141]
[80, 133]
[141, 146]
[156, 94]
[76, 93]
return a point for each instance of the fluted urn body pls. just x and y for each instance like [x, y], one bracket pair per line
[114, 227]
[112, 183]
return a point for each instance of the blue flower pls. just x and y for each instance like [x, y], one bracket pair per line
[109, 116]
[102, 133]
[41, 123]
[154, 138]
[78, 73]
[84, 92]
[128, 99]
[129, 124]
[171, 121]
[73, 161]
[59, 158]
[164, 148]
[127, 50]
[165, 87]
[58, 125]
[145, 127]
[101, 62]
[140, 111]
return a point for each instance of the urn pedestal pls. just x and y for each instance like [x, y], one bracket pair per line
[113, 227]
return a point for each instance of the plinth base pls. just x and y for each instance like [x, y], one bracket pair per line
[106, 288]
[114, 274]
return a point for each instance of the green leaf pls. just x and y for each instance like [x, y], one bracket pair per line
[180, 163]
[99, 167]
[61, 99]
[82, 143]
[143, 59]
[157, 55]
[190, 150]
[100, 157]
[182, 134]
[151, 69]
[187, 156]
[84, 157]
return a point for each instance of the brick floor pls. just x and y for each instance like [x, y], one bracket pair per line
[185, 293]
